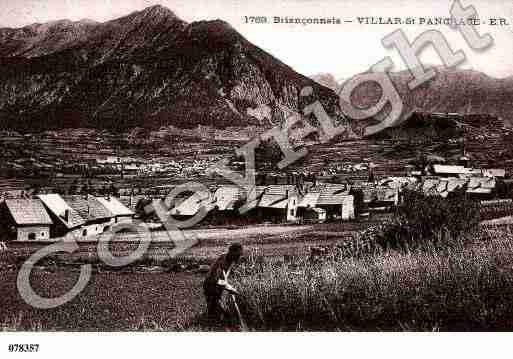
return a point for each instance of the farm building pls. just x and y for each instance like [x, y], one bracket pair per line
[451, 171]
[398, 182]
[120, 213]
[66, 221]
[98, 218]
[201, 200]
[442, 187]
[379, 197]
[478, 187]
[465, 172]
[226, 202]
[277, 203]
[229, 198]
[481, 187]
[494, 172]
[25, 219]
[328, 201]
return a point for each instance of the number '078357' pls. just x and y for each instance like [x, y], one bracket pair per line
[23, 348]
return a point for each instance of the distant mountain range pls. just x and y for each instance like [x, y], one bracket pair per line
[452, 90]
[151, 69]
[147, 69]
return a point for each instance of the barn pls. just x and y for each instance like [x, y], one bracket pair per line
[120, 213]
[67, 222]
[191, 206]
[25, 219]
[278, 203]
[98, 218]
[327, 201]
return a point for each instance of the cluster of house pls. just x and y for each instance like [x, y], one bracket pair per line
[54, 216]
[331, 201]
[444, 179]
[318, 202]
[281, 203]
[48, 216]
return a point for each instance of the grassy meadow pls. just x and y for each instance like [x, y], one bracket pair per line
[458, 288]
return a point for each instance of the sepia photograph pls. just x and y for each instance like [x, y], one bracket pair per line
[253, 167]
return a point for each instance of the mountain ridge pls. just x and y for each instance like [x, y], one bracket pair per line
[464, 91]
[148, 69]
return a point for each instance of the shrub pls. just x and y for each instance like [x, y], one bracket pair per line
[422, 220]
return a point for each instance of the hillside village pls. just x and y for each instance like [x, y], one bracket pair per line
[47, 216]
[87, 184]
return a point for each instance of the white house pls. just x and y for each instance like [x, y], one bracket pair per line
[26, 219]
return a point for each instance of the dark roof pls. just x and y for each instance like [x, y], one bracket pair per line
[273, 201]
[330, 193]
[88, 208]
[28, 211]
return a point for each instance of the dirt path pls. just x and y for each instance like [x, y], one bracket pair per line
[211, 235]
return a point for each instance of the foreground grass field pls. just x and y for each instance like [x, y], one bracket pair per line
[133, 298]
[111, 302]
[460, 289]
[467, 287]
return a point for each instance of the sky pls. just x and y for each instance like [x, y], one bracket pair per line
[342, 50]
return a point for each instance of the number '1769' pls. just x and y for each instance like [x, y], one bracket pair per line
[255, 19]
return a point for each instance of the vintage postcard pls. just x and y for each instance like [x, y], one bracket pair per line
[275, 165]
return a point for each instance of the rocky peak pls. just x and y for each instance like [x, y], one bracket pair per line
[146, 69]
[153, 14]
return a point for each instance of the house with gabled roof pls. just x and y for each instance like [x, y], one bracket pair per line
[228, 198]
[494, 172]
[477, 187]
[67, 222]
[98, 218]
[225, 205]
[277, 203]
[25, 219]
[482, 187]
[378, 198]
[120, 213]
[451, 170]
[188, 208]
[466, 172]
[328, 201]
[442, 186]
